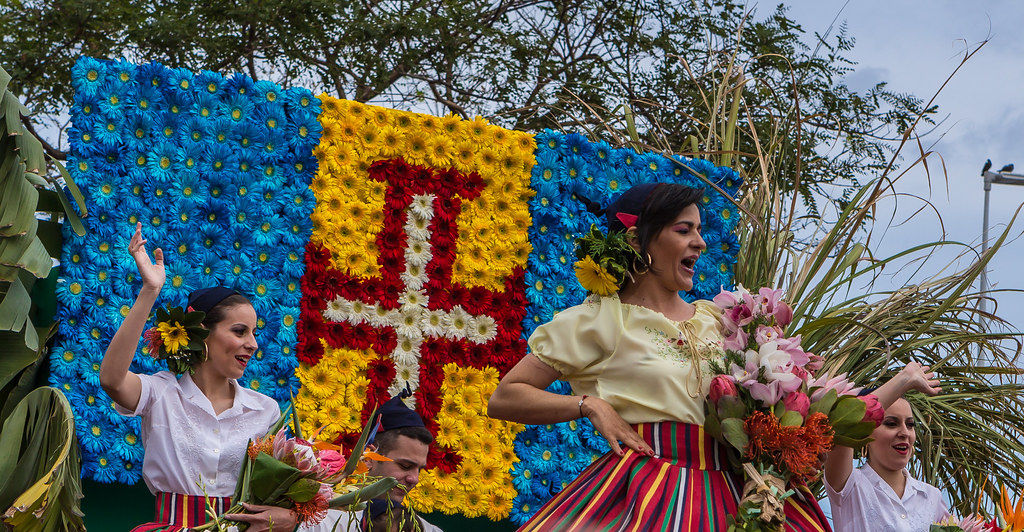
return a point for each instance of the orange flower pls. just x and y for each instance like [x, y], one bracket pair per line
[1012, 513]
[801, 449]
[264, 444]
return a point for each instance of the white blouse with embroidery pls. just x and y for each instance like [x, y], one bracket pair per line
[635, 358]
[187, 443]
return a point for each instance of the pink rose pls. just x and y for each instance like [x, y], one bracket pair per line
[721, 386]
[874, 412]
[797, 402]
[331, 462]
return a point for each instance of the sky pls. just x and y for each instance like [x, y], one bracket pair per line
[915, 46]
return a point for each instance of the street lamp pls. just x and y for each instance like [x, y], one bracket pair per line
[1002, 177]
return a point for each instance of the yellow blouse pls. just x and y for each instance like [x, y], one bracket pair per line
[633, 357]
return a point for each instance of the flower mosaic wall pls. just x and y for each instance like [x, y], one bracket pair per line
[435, 247]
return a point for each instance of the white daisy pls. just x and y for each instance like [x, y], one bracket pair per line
[382, 317]
[456, 323]
[432, 323]
[361, 312]
[422, 206]
[413, 299]
[413, 277]
[339, 309]
[482, 329]
[417, 229]
[418, 254]
[406, 352]
[407, 322]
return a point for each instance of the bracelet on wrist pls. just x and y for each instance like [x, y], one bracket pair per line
[582, 398]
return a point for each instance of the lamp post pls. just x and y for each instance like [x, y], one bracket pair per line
[1001, 178]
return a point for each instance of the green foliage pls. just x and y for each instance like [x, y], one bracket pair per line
[39, 465]
[192, 352]
[527, 65]
[610, 251]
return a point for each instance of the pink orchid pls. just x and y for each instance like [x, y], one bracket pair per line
[768, 394]
[741, 315]
[792, 347]
[839, 383]
[765, 334]
[726, 299]
[814, 362]
[783, 314]
[737, 341]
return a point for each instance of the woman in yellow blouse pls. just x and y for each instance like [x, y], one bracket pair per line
[637, 363]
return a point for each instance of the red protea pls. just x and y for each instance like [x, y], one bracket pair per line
[314, 510]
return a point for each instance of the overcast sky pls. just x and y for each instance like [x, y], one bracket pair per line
[915, 45]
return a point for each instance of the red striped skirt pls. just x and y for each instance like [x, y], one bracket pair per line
[176, 512]
[690, 486]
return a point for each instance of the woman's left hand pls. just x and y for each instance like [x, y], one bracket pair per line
[265, 518]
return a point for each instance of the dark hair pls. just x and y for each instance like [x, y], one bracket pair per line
[386, 440]
[217, 314]
[659, 210]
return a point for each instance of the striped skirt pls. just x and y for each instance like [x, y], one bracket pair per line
[689, 486]
[176, 512]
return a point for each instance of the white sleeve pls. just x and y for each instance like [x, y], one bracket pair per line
[837, 498]
[152, 386]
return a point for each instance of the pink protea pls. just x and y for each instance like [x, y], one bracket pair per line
[295, 452]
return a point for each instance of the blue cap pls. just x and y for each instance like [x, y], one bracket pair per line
[629, 206]
[205, 299]
[393, 414]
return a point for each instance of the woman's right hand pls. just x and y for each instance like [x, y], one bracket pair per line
[614, 429]
[918, 377]
[152, 271]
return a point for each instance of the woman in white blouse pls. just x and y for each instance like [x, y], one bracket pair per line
[194, 428]
[881, 495]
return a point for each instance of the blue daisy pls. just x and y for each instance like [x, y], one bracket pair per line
[239, 84]
[138, 132]
[295, 235]
[268, 231]
[83, 141]
[192, 156]
[194, 130]
[208, 82]
[177, 102]
[108, 130]
[113, 100]
[85, 109]
[204, 106]
[303, 130]
[165, 127]
[264, 295]
[266, 329]
[64, 359]
[106, 467]
[87, 76]
[160, 162]
[304, 165]
[266, 260]
[151, 76]
[211, 236]
[222, 130]
[288, 318]
[292, 264]
[246, 134]
[245, 166]
[215, 211]
[267, 92]
[104, 194]
[181, 246]
[122, 73]
[188, 189]
[137, 160]
[271, 118]
[266, 192]
[213, 270]
[118, 306]
[181, 80]
[239, 239]
[220, 186]
[93, 435]
[236, 108]
[299, 98]
[550, 140]
[130, 474]
[220, 159]
[270, 173]
[272, 144]
[578, 145]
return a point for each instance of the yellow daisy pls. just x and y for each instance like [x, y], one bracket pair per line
[594, 278]
[174, 336]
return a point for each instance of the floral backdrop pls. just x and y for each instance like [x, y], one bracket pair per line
[383, 250]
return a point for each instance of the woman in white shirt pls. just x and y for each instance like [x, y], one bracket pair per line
[194, 428]
[881, 495]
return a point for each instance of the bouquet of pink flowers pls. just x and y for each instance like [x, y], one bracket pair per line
[308, 477]
[767, 402]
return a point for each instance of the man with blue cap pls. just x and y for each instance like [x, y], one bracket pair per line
[402, 437]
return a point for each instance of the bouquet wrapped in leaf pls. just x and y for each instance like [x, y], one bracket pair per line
[766, 402]
[306, 476]
[1012, 517]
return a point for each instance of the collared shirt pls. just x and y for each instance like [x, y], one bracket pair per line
[187, 443]
[868, 504]
[350, 522]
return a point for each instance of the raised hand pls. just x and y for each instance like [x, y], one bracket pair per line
[152, 271]
[918, 377]
[614, 429]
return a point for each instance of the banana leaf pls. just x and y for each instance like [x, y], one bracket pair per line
[39, 465]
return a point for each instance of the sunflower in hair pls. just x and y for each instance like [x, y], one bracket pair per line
[178, 337]
[605, 260]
